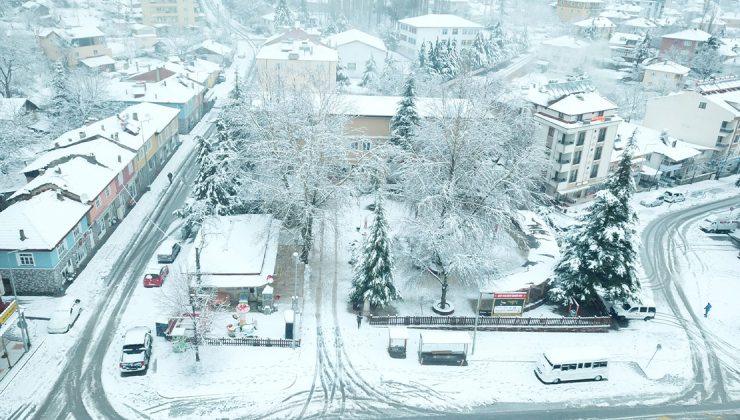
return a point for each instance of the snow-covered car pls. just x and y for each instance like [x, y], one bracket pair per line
[167, 251]
[154, 276]
[652, 203]
[673, 197]
[64, 316]
[137, 350]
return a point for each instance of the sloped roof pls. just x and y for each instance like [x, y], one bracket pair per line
[647, 140]
[354, 35]
[689, 35]
[11, 107]
[311, 52]
[668, 67]
[582, 103]
[439, 21]
[598, 22]
[44, 218]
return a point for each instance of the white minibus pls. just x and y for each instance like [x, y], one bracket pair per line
[573, 364]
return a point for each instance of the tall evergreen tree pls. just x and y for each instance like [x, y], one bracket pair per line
[342, 78]
[283, 14]
[640, 54]
[406, 119]
[236, 93]
[60, 96]
[370, 76]
[600, 254]
[373, 278]
[707, 61]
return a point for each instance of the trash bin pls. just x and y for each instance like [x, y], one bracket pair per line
[160, 327]
[289, 322]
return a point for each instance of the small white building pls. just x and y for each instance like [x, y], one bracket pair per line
[238, 255]
[602, 27]
[355, 48]
[566, 52]
[297, 64]
[665, 76]
[416, 30]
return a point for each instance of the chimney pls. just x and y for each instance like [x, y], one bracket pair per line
[23, 234]
[58, 170]
[135, 116]
[102, 127]
[82, 135]
[60, 196]
[119, 158]
[158, 79]
[56, 144]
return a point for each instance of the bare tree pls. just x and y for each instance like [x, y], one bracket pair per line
[469, 169]
[89, 96]
[18, 55]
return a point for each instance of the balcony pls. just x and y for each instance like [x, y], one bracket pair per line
[727, 130]
[558, 179]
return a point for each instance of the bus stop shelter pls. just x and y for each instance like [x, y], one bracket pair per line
[444, 347]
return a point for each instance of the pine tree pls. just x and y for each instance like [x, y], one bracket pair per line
[283, 14]
[370, 76]
[479, 55]
[236, 93]
[60, 99]
[373, 278]
[406, 119]
[342, 78]
[640, 54]
[600, 254]
[423, 55]
[591, 32]
[707, 61]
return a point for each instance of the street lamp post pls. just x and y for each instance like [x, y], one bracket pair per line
[22, 322]
[295, 282]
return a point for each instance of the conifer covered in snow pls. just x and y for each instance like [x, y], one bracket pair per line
[283, 14]
[406, 120]
[707, 61]
[370, 76]
[236, 93]
[342, 78]
[600, 254]
[373, 278]
[60, 95]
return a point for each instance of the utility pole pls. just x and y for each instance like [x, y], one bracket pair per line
[192, 303]
[295, 282]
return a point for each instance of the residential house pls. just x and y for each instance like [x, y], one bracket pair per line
[145, 36]
[665, 75]
[12, 108]
[622, 45]
[658, 156]
[175, 91]
[708, 116]
[709, 24]
[414, 31]
[685, 42]
[100, 63]
[639, 25]
[615, 16]
[42, 240]
[297, 64]
[652, 9]
[172, 13]
[295, 34]
[600, 26]
[215, 52]
[578, 127]
[355, 48]
[576, 10]
[73, 44]
[566, 52]
[235, 256]
[731, 19]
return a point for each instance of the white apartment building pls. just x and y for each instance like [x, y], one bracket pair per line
[578, 127]
[707, 116]
[297, 64]
[177, 13]
[355, 48]
[665, 76]
[417, 30]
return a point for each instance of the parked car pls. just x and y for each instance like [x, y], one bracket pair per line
[221, 78]
[673, 197]
[64, 316]
[720, 224]
[167, 251]
[625, 311]
[154, 276]
[652, 203]
[137, 350]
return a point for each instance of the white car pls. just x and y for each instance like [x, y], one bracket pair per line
[64, 317]
[673, 197]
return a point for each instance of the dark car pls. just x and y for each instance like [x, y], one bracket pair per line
[137, 350]
[167, 252]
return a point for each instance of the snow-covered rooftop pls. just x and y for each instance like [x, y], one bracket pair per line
[439, 21]
[102, 150]
[354, 35]
[304, 50]
[597, 22]
[615, 15]
[78, 175]
[95, 62]
[669, 67]
[238, 251]
[44, 218]
[640, 22]
[689, 35]
[385, 106]
[174, 90]
[647, 140]
[78, 32]
[582, 103]
[566, 41]
[216, 47]
[621, 38]
[11, 107]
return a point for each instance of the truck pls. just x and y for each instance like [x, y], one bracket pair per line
[722, 224]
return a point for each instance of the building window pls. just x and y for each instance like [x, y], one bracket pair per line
[454, 31]
[366, 146]
[702, 105]
[107, 191]
[25, 259]
[579, 117]
[355, 145]
[550, 132]
[687, 43]
[98, 203]
[602, 135]
[62, 248]
[597, 154]
[594, 171]
[560, 115]
[444, 31]
[351, 66]
[601, 113]
[581, 138]
[577, 157]
[76, 232]
[573, 175]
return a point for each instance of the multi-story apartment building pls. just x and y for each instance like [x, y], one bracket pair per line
[415, 31]
[684, 43]
[707, 116]
[174, 13]
[578, 127]
[297, 64]
[576, 10]
[73, 44]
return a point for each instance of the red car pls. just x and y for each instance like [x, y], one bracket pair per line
[155, 276]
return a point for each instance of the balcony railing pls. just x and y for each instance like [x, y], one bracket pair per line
[726, 130]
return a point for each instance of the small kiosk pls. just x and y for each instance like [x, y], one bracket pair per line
[397, 339]
[444, 348]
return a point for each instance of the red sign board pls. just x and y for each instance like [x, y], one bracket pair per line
[510, 295]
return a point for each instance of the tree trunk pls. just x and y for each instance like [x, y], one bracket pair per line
[307, 236]
[443, 300]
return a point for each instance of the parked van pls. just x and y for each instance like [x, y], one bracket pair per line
[573, 364]
[167, 251]
[673, 197]
[723, 224]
